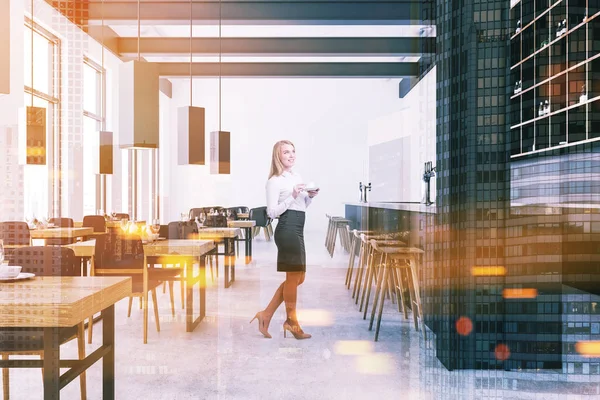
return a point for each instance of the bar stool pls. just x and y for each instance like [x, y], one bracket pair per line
[335, 223]
[395, 260]
[368, 261]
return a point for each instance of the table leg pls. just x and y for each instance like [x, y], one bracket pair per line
[248, 245]
[189, 296]
[51, 363]
[108, 361]
[202, 294]
[191, 280]
[229, 262]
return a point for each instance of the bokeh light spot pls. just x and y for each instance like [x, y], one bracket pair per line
[502, 352]
[464, 326]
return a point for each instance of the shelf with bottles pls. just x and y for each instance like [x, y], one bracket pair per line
[543, 110]
[527, 83]
[534, 42]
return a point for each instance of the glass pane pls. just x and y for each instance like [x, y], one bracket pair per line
[42, 61]
[36, 178]
[90, 89]
[90, 148]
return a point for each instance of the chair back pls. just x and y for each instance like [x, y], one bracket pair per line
[259, 215]
[216, 221]
[180, 230]
[120, 216]
[242, 209]
[163, 232]
[117, 250]
[47, 260]
[62, 222]
[15, 233]
[233, 212]
[94, 221]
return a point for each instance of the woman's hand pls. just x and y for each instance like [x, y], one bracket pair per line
[313, 193]
[298, 189]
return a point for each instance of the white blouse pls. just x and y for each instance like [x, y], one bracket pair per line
[279, 194]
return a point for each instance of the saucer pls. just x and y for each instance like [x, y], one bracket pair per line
[311, 189]
[20, 277]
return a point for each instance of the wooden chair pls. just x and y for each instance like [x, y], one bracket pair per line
[123, 255]
[94, 221]
[14, 233]
[60, 223]
[42, 261]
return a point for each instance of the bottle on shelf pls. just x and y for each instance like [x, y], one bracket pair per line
[518, 27]
[584, 96]
[541, 109]
[546, 107]
[518, 87]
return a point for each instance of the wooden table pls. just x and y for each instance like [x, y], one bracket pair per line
[247, 227]
[169, 248]
[228, 236]
[109, 224]
[60, 233]
[52, 303]
[243, 215]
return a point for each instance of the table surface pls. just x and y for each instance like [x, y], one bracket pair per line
[63, 233]
[188, 247]
[241, 224]
[49, 301]
[209, 233]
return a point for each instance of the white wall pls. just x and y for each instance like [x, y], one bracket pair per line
[401, 142]
[327, 120]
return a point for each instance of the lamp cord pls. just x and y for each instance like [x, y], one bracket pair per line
[32, 53]
[139, 30]
[191, 34]
[220, 100]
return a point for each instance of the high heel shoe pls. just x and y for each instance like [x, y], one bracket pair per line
[261, 325]
[295, 330]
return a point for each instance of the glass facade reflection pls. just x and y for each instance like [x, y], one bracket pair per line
[512, 252]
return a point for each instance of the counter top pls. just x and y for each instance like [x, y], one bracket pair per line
[415, 207]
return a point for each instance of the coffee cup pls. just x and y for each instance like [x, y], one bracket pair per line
[9, 271]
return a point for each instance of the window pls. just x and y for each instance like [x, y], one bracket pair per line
[42, 74]
[93, 114]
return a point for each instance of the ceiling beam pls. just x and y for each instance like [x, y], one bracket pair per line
[260, 12]
[404, 46]
[289, 70]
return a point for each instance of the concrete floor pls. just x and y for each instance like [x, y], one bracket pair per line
[226, 358]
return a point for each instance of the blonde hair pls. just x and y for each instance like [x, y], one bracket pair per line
[276, 164]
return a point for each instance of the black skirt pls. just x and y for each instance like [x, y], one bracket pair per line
[289, 238]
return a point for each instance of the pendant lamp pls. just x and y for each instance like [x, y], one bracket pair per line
[220, 141]
[138, 102]
[104, 140]
[191, 125]
[4, 46]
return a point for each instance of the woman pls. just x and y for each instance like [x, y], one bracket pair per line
[287, 200]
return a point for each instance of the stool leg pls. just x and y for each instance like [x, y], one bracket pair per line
[386, 273]
[396, 287]
[401, 282]
[367, 289]
[416, 289]
[368, 263]
[350, 262]
[328, 229]
[360, 258]
[378, 293]
[361, 265]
